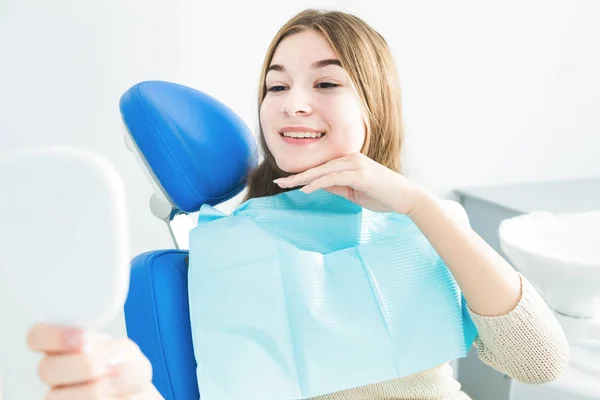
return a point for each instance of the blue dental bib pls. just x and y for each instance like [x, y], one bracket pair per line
[298, 295]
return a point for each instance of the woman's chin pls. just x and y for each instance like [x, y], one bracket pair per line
[297, 166]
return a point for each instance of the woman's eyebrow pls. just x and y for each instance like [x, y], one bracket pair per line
[315, 65]
[324, 63]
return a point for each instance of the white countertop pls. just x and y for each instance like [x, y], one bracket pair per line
[557, 197]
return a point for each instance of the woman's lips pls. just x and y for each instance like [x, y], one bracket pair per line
[296, 137]
[300, 141]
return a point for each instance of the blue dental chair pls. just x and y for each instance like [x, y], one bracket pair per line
[194, 151]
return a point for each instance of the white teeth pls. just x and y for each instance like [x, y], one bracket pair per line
[303, 134]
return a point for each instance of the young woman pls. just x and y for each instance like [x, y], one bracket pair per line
[330, 118]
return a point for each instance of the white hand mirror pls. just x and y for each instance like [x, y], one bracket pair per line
[64, 235]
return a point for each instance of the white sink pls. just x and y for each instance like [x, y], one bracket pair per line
[560, 255]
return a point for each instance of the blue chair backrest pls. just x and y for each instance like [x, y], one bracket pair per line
[197, 151]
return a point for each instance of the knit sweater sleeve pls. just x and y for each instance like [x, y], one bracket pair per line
[528, 343]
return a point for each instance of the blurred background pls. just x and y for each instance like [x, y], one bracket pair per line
[494, 93]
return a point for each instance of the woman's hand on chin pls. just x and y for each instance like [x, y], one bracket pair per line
[362, 181]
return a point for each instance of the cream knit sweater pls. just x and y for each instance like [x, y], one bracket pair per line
[527, 344]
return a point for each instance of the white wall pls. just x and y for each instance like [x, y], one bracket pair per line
[493, 93]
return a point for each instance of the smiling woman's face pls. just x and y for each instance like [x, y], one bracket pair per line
[311, 113]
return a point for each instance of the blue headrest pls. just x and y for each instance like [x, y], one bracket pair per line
[196, 148]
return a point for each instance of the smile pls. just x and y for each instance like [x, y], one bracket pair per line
[301, 138]
[303, 135]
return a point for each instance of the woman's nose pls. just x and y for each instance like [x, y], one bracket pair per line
[295, 102]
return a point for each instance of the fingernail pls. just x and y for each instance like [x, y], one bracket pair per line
[73, 339]
[113, 365]
[113, 370]
[114, 360]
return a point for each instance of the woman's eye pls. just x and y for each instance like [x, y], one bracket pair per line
[276, 88]
[327, 85]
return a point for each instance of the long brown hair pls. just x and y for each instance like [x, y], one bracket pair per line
[367, 59]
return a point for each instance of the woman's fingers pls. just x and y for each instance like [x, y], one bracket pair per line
[306, 177]
[53, 339]
[134, 375]
[116, 368]
[344, 178]
[92, 390]
[343, 191]
[119, 361]
[75, 368]
[89, 365]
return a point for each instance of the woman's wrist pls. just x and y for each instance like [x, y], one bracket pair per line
[424, 199]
